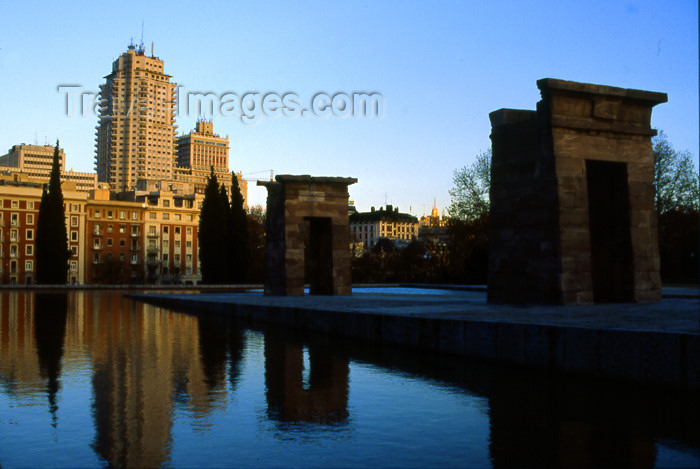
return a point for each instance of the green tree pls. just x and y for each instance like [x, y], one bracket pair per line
[468, 226]
[238, 243]
[212, 233]
[52, 252]
[677, 203]
[470, 193]
[256, 244]
[675, 178]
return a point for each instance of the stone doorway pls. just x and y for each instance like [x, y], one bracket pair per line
[318, 256]
[572, 215]
[611, 246]
[307, 235]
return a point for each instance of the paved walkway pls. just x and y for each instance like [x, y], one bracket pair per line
[678, 312]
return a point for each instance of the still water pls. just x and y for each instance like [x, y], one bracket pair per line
[91, 379]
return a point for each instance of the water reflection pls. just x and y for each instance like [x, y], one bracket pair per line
[146, 367]
[50, 313]
[305, 384]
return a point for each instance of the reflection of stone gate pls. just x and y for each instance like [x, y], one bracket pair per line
[308, 233]
[572, 200]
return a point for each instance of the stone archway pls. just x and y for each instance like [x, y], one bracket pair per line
[572, 197]
[307, 225]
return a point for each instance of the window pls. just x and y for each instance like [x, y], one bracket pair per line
[176, 258]
[177, 243]
[30, 219]
[14, 218]
[165, 230]
[152, 215]
[121, 257]
[165, 257]
[189, 230]
[74, 208]
[188, 258]
[29, 249]
[29, 265]
[110, 228]
[74, 236]
[122, 214]
[74, 250]
[30, 206]
[122, 228]
[134, 216]
[188, 218]
[109, 242]
[122, 243]
[73, 221]
[166, 216]
[188, 244]
[166, 203]
[15, 204]
[96, 243]
[29, 235]
[177, 230]
[73, 266]
[178, 216]
[110, 214]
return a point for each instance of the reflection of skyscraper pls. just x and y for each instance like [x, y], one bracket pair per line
[321, 396]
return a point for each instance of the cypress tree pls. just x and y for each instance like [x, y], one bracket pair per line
[223, 239]
[208, 225]
[238, 235]
[52, 252]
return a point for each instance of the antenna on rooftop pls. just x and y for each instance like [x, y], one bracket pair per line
[141, 45]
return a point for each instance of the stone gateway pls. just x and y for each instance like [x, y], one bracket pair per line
[307, 235]
[572, 198]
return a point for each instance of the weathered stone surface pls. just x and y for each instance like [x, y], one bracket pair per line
[542, 248]
[307, 213]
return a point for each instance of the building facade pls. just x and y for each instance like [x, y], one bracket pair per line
[201, 150]
[151, 237]
[19, 213]
[34, 161]
[136, 129]
[369, 227]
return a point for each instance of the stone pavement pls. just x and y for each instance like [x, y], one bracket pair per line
[681, 313]
[653, 342]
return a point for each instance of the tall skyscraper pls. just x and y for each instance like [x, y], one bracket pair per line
[136, 129]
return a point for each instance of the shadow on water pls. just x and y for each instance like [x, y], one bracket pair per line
[150, 364]
[537, 418]
[50, 315]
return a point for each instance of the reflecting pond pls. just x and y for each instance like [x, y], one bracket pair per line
[92, 379]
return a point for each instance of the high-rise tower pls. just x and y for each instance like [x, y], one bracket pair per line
[136, 129]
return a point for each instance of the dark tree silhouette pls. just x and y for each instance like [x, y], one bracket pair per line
[238, 245]
[52, 252]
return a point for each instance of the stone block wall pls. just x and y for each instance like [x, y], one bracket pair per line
[303, 208]
[543, 249]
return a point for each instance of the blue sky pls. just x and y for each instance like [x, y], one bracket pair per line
[441, 67]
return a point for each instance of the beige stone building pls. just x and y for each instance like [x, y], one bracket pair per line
[201, 150]
[136, 129]
[35, 161]
[19, 213]
[369, 227]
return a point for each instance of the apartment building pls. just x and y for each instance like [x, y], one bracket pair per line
[35, 161]
[19, 212]
[368, 227]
